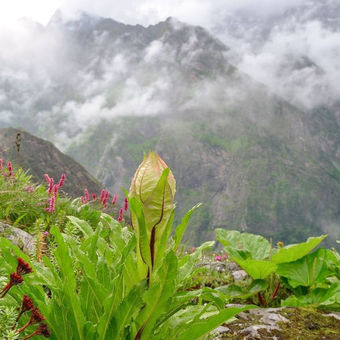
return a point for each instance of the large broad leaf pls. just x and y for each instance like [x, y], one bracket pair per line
[187, 264]
[158, 209]
[255, 268]
[236, 291]
[196, 330]
[320, 297]
[294, 252]
[143, 236]
[162, 288]
[180, 230]
[308, 271]
[129, 308]
[257, 246]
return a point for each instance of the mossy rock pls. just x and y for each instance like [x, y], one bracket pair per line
[283, 323]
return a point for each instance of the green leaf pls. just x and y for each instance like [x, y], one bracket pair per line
[62, 254]
[162, 287]
[195, 330]
[82, 225]
[319, 297]
[307, 271]
[257, 246]
[181, 228]
[255, 268]
[158, 209]
[128, 308]
[240, 292]
[143, 237]
[294, 252]
[111, 303]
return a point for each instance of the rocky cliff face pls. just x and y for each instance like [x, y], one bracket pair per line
[39, 156]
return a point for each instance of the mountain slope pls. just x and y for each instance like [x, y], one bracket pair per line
[39, 156]
[256, 162]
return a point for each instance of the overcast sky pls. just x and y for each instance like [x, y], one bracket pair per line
[145, 12]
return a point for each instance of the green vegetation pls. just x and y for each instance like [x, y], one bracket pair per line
[305, 278]
[93, 277]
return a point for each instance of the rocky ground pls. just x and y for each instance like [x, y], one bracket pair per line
[281, 323]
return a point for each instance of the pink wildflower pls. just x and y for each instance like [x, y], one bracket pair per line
[47, 177]
[102, 193]
[50, 186]
[52, 204]
[114, 200]
[218, 258]
[120, 215]
[29, 188]
[10, 169]
[1, 163]
[86, 195]
[94, 196]
[62, 180]
[105, 198]
[55, 189]
[224, 257]
[126, 204]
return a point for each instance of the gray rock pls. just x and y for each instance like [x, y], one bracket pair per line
[251, 332]
[273, 318]
[239, 275]
[20, 238]
[334, 315]
[232, 266]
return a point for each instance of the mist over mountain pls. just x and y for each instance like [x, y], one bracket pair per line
[295, 51]
[105, 92]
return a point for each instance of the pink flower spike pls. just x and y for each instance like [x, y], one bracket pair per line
[102, 193]
[104, 198]
[62, 180]
[114, 200]
[47, 177]
[55, 189]
[94, 196]
[1, 163]
[224, 257]
[50, 187]
[120, 215]
[10, 169]
[126, 204]
[218, 258]
[86, 195]
[52, 204]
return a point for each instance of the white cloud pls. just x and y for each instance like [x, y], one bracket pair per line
[301, 64]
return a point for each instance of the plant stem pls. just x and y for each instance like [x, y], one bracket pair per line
[262, 299]
[23, 327]
[275, 290]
